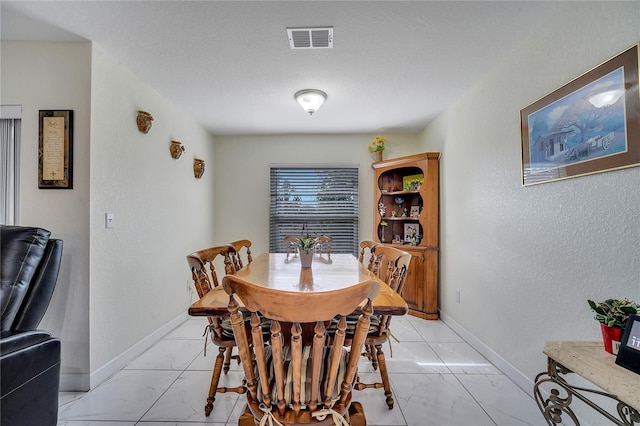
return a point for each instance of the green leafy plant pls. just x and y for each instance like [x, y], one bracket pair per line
[307, 242]
[614, 312]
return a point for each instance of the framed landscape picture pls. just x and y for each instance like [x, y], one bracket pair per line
[590, 125]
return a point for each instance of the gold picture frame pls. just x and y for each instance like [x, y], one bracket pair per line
[55, 149]
[589, 125]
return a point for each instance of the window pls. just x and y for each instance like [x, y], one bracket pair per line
[325, 199]
[10, 165]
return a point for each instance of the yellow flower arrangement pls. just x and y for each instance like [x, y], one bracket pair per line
[377, 144]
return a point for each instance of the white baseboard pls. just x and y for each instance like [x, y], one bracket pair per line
[85, 382]
[516, 376]
[70, 382]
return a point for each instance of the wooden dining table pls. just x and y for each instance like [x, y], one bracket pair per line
[284, 272]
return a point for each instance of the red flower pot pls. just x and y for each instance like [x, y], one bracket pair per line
[609, 335]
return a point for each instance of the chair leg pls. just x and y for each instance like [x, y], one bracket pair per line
[228, 356]
[367, 352]
[247, 418]
[227, 360]
[382, 363]
[372, 357]
[356, 415]
[215, 378]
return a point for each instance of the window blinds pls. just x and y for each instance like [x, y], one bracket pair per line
[325, 199]
[10, 130]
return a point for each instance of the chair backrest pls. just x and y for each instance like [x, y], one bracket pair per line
[366, 257]
[324, 243]
[204, 280]
[40, 292]
[290, 242]
[242, 248]
[298, 373]
[391, 265]
[30, 262]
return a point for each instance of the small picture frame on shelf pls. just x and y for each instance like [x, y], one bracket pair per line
[397, 239]
[411, 230]
[412, 182]
[415, 212]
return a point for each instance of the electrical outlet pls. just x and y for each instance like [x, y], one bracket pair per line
[458, 296]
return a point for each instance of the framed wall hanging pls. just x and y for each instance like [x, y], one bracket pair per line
[589, 125]
[55, 149]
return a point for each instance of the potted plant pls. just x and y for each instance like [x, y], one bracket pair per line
[306, 246]
[612, 314]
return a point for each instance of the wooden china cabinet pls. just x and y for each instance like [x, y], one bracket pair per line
[406, 215]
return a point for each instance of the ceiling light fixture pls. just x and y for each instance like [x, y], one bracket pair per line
[310, 99]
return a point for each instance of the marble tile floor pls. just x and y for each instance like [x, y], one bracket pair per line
[436, 378]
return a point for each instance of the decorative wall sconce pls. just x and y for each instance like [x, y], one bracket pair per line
[198, 168]
[144, 121]
[176, 149]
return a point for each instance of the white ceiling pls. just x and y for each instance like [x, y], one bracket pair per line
[394, 66]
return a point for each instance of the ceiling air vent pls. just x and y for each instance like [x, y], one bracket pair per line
[310, 38]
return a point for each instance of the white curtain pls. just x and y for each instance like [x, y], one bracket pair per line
[10, 171]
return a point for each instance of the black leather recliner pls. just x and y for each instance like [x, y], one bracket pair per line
[29, 358]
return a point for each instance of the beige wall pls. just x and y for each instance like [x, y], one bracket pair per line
[242, 176]
[40, 76]
[119, 288]
[139, 275]
[526, 259]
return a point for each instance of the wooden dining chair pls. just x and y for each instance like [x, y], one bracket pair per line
[290, 241]
[390, 265]
[298, 378]
[219, 329]
[242, 248]
[324, 244]
[366, 258]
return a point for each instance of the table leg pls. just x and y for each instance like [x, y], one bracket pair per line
[555, 403]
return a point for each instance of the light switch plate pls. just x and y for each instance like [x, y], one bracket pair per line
[108, 220]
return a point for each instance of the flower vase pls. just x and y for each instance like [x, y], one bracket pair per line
[377, 156]
[306, 258]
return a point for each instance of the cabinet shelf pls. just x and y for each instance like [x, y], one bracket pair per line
[408, 185]
[399, 192]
